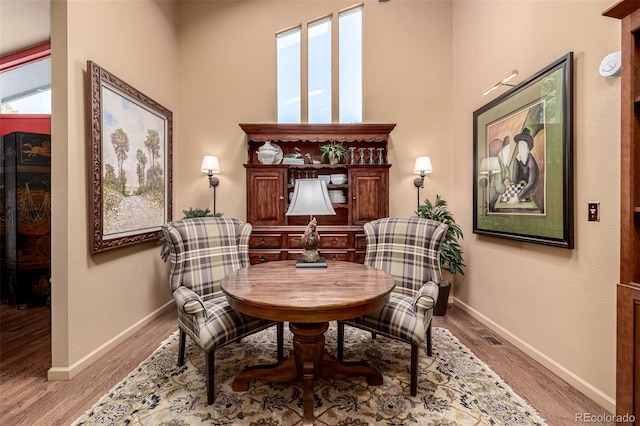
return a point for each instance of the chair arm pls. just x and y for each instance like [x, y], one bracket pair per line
[191, 304]
[426, 297]
[188, 301]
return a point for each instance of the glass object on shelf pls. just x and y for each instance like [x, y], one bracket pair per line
[370, 160]
[380, 158]
[360, 155]
[352, 155]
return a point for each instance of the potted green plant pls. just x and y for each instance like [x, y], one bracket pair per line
[451, 253]
[333, 152]
[164, 251]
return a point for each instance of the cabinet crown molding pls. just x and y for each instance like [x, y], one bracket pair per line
[367, 132]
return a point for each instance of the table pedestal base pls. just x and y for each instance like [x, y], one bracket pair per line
[308, 362]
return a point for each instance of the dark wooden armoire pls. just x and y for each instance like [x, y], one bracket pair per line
[26, 218]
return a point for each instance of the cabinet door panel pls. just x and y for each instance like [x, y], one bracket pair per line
[265, 197]
[369, 197]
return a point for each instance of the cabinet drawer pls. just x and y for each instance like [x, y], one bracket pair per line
[265, 241]
[361, 241]
[334, 241]
[255, 258]
[342, 256]
[293, 241]
[327, 241]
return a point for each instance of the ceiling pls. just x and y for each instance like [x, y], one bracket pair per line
[23, 24]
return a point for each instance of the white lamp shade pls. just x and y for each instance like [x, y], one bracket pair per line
[210, 164]
[422, 166]
[489, 165]
[310, 197]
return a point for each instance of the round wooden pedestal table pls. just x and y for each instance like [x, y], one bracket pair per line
[308, 299]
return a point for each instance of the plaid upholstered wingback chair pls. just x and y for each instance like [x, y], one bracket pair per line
[203, 251]
[409, 250]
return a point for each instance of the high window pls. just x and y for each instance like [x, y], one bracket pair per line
[319, 70]
[25, 82]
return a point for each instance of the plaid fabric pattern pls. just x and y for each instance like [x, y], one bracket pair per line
[203, 251]
[409, 250]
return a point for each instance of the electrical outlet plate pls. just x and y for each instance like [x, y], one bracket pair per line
[593, 212]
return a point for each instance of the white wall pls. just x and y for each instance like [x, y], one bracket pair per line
[97, 300]
[227, 76]
[556, 304]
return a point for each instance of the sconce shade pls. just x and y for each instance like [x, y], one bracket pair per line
[310, 197]
[422, 166]
[210, 164]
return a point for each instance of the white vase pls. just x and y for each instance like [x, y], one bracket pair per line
[269, 153]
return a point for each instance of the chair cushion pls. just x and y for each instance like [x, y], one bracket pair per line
[223, 324]
[396, 319]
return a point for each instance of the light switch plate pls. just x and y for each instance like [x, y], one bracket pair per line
[593, 213]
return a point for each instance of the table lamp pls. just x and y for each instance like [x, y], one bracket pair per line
[310, 197]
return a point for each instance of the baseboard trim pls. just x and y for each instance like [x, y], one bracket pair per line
[67, 373]
[605, 401]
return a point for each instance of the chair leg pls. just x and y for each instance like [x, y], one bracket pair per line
[280, 337]
[414, 370]
[429, 347]
[210, 369]
[181, 347]
[340, 340]
[373, 336]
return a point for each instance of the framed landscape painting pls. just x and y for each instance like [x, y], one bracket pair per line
[523, 166]
[130, 165]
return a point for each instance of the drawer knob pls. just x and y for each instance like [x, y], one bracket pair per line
[263, 241]
[262, 259]
[334, 257]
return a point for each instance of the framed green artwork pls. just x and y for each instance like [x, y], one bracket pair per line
[522, 162]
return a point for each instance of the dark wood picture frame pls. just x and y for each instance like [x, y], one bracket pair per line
[523, 160]
[130, 170]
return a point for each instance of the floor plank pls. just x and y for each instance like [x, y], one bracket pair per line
[556, 400]
[27, 398]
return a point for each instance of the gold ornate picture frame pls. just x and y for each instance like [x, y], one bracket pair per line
[130, 175]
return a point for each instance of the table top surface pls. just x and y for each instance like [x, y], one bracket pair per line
[279, 291]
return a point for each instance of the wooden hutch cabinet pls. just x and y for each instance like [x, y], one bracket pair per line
[270, 186]
[628, 290]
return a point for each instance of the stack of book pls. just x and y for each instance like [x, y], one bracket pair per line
[291, 160]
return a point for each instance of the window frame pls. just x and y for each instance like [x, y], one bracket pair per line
[334, 17]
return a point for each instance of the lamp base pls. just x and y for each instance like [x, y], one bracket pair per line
[321, 263]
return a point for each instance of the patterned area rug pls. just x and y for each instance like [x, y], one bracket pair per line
[454, 388]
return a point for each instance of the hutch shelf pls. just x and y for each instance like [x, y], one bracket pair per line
[365, 194]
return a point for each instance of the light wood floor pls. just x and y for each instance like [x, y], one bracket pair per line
[27, 398]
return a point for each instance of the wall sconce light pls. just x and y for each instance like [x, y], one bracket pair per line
[421, 167]
[211, 166]
[501, 82]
